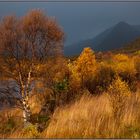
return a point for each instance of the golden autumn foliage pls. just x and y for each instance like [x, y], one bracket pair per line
[137, 66]
[84, 67]
[125, 68]
[124, 64]
[103, 78]
[121, 57]
[86, 63]
[118, 93]
[74, 75]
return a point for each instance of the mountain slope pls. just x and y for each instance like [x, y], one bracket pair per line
[112, 38]
[131, 47]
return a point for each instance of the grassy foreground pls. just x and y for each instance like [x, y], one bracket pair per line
[89, 117]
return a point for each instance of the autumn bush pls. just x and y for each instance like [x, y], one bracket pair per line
[55, 72]
[11, 120]
[125, 68]
[103, 78]
[137, 66]
[85, 65]
[83, 69]
[118, 93]
[30, 132]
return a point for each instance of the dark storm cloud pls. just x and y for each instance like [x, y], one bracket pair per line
[80, 20]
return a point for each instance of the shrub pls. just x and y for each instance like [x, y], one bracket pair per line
[9, 121]
[30, 131]
[8, 126]
[41, 121]
[61, 86]
[103, 78]
[131, 131]
[137, 66]
[74, 78]
[55, 83]
[60, 91]
[118, 93]
[121, 58]
[126, 69]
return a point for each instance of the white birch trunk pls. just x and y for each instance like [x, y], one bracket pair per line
[26, 111]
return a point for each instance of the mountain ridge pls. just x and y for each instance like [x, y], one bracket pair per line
[112, 38]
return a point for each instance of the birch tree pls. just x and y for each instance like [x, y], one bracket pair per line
[25, 43]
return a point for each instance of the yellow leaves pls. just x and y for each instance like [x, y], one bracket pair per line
[122, 63]
[86, 63]
[75, 76]
[127, 66]
[84, 67]
[121, 57]
[118, 93]
[137, 63]
[119, 87]
[30, 131]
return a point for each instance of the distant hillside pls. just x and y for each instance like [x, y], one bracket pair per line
[112, 38]
[131, 47]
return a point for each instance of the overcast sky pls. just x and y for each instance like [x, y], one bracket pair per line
[80, 20]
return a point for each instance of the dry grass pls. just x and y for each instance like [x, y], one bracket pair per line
[91, 117]
[7, 127]
[15, 127]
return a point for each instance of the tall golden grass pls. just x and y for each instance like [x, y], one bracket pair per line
[91, 117]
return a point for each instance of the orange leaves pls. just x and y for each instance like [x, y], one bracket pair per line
[35, 34]
[36, 23]
[33, 38]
